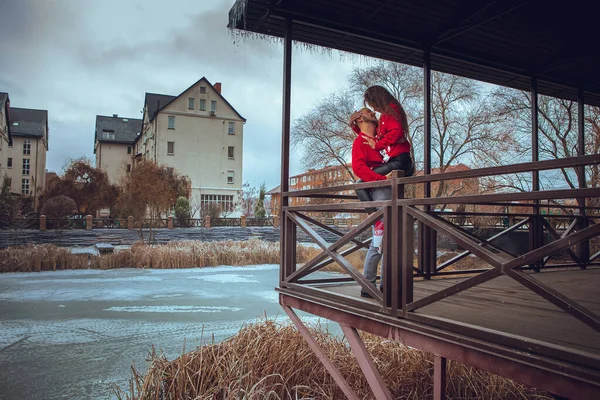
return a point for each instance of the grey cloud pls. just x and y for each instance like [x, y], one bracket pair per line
[78, 62]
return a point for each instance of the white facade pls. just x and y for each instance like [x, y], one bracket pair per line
[200, 135]
[26, 166]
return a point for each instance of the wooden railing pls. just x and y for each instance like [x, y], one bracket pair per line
[411, 227]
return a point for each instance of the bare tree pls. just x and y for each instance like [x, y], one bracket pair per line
[150, 191]
[323, 135]
[558, 137]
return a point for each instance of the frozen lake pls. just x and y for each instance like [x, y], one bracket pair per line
[70, 334]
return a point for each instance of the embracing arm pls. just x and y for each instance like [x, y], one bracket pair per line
[393, 134]
[360, 168]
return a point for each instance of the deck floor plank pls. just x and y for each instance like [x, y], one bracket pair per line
[504, 305]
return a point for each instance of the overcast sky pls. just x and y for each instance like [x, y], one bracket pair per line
[78, 59]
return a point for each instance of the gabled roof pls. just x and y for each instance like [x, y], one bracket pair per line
[154, 102]
[25, 122]
[126, 130]
[275, 190]
[5, 104]
[501, 42]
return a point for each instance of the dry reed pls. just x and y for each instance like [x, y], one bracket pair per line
[188, 254]
[269, 360]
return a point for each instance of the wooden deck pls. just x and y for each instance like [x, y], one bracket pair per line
[507, 308]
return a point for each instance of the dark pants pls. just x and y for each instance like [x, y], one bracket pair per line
[403, 162]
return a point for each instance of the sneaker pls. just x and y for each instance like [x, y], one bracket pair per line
[365, 294]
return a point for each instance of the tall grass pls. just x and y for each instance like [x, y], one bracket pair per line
[189, 254]
[269, 360]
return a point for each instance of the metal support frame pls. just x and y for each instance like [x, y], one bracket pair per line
[285, 148]
[536, 229]
[314, 345]
[426, 236]
[439, 378]
[584, 247]
[380, 391]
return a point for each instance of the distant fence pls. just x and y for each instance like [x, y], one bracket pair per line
[472, 220]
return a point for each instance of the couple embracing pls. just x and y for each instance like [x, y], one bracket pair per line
[381, 146]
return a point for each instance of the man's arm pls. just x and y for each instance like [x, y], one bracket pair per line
[359, 164]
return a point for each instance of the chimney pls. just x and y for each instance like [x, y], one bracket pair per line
[115, 115]
[218, 87]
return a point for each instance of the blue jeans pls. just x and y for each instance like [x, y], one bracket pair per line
[402, 162]
[373, 256]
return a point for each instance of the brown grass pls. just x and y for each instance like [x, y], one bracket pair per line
[269, 360]
[192, 254]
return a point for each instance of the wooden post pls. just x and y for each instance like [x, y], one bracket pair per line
[130, 223]
[42, 222]
[88, 222]
[207, 221]
[170, 223]
[243, 221]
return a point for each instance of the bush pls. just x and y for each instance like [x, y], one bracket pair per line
[8, 206]
[57, 210]
[182, 211]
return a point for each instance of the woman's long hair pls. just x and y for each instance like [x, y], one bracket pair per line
[378, 96]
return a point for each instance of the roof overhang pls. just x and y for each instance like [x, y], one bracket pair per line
[504, 42]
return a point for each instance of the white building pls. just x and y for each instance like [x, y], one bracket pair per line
[26, 157]
[200, 135]
[113, 145]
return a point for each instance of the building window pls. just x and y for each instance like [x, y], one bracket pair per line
[128, 149]
[202, 89]
[304, 178]
[230, 176]
[26, 166]
[202, 105]
[108, 135]
[224, 201]
[171, 148]
[25, 186]
[26, 147]
[231, 129]
[171, 122]
[9, 163]
[128, 167]
[213, 105]
[230, 153]
[294, 181]
[191, 103]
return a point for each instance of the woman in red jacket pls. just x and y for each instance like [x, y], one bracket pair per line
[391, 139]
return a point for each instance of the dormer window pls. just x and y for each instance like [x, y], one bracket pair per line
[108, 135]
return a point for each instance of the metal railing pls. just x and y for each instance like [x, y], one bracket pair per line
[411, 234]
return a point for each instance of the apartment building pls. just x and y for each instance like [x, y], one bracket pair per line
[5, 132]
[113, 145]
[26, 157]
[312, 179]
[199, 134]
